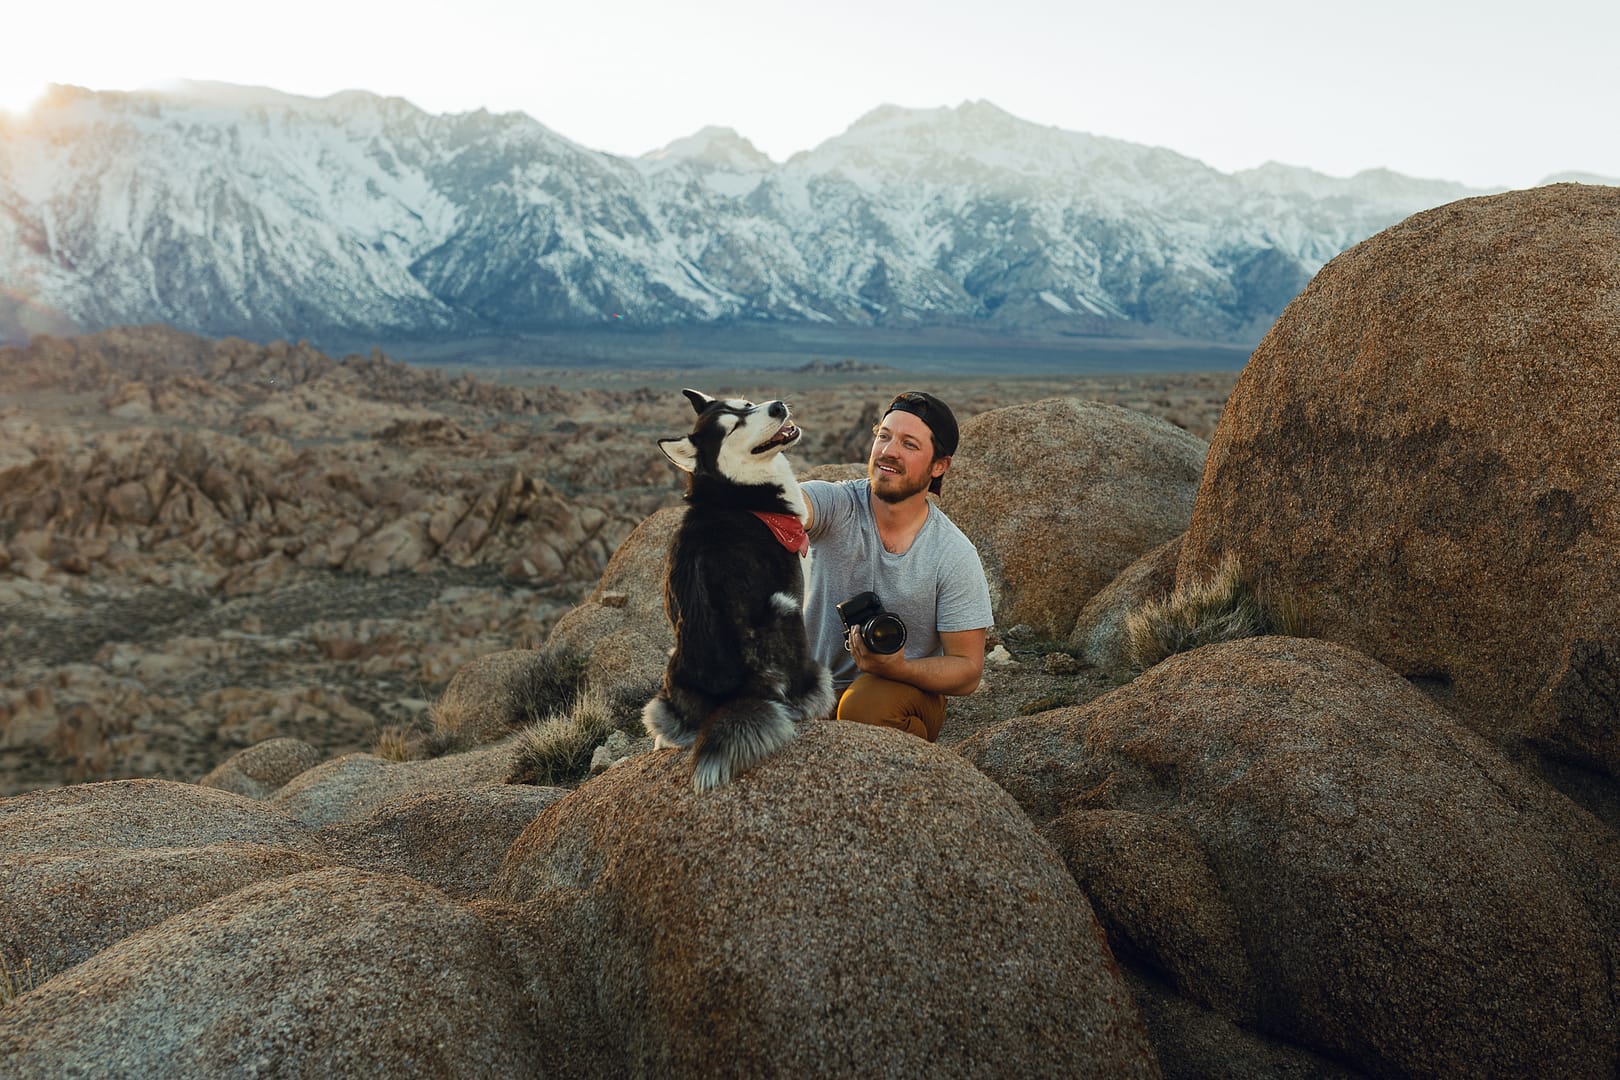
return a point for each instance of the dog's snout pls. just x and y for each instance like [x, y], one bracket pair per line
[777, 410]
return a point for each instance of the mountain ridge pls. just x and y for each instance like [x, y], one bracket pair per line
[249, 212]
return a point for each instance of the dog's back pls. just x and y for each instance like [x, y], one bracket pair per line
[740, 675]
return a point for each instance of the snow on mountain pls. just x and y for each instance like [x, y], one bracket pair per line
[242, 210]
[710, 148]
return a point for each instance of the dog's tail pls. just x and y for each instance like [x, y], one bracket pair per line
[737, 737]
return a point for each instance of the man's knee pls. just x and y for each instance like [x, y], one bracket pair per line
[883, 703]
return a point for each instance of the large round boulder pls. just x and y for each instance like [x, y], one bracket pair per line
[82, 867]
[333, 972]
[354, 786]
[860, 904]
[1061, 495]
[263, 768]
[1424, 451]
[1303, 843]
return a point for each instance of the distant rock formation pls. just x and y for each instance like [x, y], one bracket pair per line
[248, 505]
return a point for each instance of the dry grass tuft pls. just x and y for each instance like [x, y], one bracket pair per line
[15, 982]
[548, 687]
[557, 750]
[393, 743]
[1223, 607]
[486, 701]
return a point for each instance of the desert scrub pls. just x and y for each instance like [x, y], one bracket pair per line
[393, 743]
[557, 750]
[549, 686]
[1221, 607]
[495, 694]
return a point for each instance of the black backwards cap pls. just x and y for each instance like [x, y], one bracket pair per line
[937, 415]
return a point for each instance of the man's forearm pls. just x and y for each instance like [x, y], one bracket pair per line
[953, 676]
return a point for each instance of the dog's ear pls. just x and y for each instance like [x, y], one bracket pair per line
[682, 451]
[699, 400]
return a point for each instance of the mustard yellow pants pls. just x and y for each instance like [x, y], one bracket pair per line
[885, 703]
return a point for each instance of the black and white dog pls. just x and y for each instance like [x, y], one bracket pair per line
[741, 674]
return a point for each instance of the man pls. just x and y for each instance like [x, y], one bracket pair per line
[883, 535]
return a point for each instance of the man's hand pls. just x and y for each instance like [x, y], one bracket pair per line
[884, 665]
[956, 672]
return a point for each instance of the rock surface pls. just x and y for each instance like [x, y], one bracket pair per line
[453, 840]
[352, 787]
[621, 627]
[264, 768]
[333, 972]
[1099, 635]
[1424, 450]
[83, 867]
[860, 904]
[1305, 844]
[1061, 495]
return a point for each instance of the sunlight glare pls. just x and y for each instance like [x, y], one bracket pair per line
[18, 95]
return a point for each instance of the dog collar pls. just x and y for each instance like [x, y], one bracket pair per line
[787, 528]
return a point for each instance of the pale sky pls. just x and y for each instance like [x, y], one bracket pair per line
[1494, 93]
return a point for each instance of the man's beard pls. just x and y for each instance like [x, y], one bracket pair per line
[900, 489]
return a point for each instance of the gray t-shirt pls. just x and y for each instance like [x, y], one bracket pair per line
[937, 585]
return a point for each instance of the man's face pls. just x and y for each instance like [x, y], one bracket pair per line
[902, 461]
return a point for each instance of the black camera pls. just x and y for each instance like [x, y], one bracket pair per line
[881, 631]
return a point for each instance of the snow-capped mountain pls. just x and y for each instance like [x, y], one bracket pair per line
[238, 210]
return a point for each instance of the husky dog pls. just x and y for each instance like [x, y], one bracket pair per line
[740, 675]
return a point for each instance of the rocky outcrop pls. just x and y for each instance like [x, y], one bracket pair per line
[329, 972]
[262, 769]
[1099, 632]
[1302, 843]
[232, 508]
[1061, 495]
[621, 627]
[861, 904]
[83, 867]
[352, 787]
[625, 926]
[1423, 450]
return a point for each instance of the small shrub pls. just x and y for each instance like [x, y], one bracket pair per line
[393, 744]
[1224, 607]
[557, 750]
[497, 694]
[437, 743]
[548, 687]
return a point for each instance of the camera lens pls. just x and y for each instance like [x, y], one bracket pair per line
[886, 633]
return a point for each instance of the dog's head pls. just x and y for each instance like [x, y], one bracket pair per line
[733, 439]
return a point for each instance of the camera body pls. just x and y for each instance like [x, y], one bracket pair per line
[881, 631]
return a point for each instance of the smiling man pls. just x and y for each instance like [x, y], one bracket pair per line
[883, 536]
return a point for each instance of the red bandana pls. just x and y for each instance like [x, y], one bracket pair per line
[788, 530]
